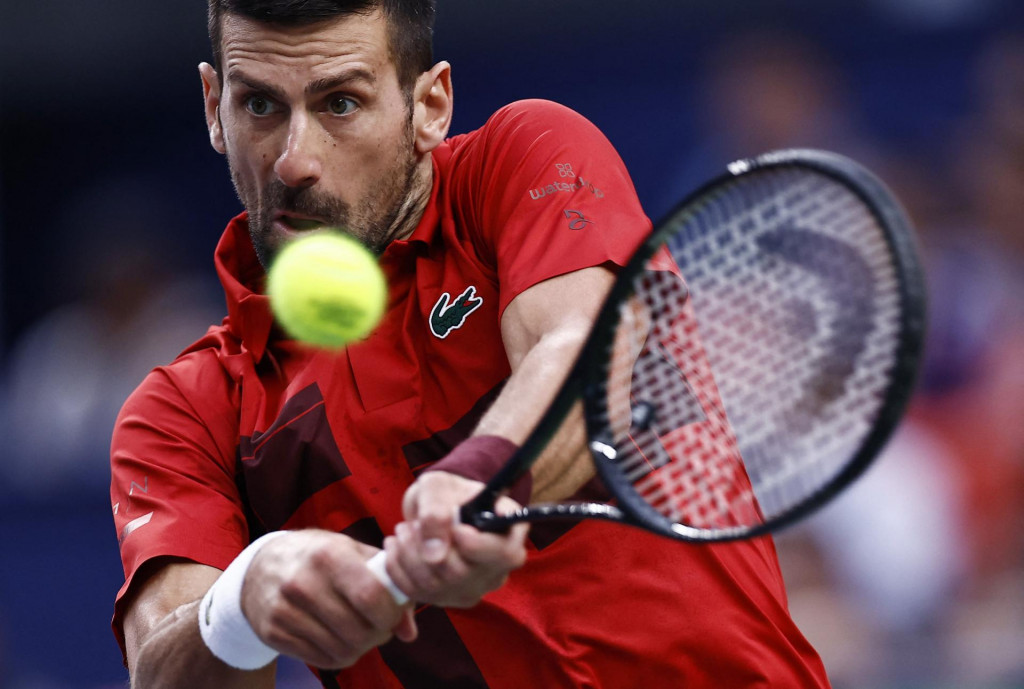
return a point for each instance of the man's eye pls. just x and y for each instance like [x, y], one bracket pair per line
[340, 105]
[259, 105]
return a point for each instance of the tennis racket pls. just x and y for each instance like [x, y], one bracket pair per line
[750, 360]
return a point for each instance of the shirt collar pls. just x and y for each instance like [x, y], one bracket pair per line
[243, 278]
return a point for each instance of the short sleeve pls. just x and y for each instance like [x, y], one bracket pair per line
[173, 489]
[550, 195]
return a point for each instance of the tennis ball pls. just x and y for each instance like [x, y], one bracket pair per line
[326, 289]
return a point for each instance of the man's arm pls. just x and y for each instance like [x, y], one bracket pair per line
[162, 634]
[543, 329]
[307, 594]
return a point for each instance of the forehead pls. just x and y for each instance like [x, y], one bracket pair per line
[309, 51]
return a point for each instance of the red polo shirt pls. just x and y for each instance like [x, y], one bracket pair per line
[248, 432]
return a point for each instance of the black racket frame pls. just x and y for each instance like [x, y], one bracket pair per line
[630, 508]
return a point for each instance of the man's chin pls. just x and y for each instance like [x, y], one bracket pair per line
[266, 242]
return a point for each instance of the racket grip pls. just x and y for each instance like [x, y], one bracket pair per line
[479, 513]
[378, 566]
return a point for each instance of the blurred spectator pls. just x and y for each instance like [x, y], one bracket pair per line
[878, 580]
[891, 547]
[69, 372]
[990, 157]
[973, 397]
[764, 90]
[963, 474]
[973, 393]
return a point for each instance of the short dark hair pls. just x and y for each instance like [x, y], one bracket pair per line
[410, 25]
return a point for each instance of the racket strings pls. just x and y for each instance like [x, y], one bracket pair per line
[685, 463]
[759, 376]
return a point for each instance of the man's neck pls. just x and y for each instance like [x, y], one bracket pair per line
[415, 204]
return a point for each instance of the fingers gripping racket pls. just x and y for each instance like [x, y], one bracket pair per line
[750, 360]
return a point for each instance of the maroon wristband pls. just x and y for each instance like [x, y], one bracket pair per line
[479, 457]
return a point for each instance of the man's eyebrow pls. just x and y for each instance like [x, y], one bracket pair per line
[256, 84]
[336, 81]
[328, 83]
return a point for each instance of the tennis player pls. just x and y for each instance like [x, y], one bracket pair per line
[253, 476]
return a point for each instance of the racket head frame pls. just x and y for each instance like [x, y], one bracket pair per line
[630, 508]
[900, 237]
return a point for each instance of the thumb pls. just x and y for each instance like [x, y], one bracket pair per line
[406, 629]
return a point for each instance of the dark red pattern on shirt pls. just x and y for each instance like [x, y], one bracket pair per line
[292, 460]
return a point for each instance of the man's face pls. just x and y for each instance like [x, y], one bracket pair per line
[316, 128]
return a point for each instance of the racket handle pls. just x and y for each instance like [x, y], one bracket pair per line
[479, 513]
[378, 565]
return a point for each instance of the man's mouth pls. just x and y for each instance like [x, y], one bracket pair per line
[300, 224]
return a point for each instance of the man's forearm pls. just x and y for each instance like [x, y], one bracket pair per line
[175, 656]
[564, 465]
[543, 330]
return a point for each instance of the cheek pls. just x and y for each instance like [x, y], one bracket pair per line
[245, 176]
[249, 158]
[356, 161]
[391, 148]
[389, 135]
[246, 147]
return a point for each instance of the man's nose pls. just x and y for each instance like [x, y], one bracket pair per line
[300, 163]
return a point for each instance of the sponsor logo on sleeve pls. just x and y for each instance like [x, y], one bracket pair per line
[556, 187]
[568, 182]
[134, 525]
[577, 221]
[138, 522]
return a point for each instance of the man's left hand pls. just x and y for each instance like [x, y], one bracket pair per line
[436, 559]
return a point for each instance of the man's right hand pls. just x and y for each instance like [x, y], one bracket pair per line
[309, 595]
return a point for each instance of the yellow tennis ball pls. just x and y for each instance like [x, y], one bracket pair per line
[327, 289]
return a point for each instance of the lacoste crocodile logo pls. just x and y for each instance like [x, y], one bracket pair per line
[449, 314]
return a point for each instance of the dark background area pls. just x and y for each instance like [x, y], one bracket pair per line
[109, 90]
[111, 202]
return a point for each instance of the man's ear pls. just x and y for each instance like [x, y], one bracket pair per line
[432, 107]
[211, 98]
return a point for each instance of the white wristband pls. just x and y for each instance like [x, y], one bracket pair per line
[223, 625]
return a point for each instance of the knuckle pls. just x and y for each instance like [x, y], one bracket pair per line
[294, 591]
[275, 622]
[274, 636]
[322, 559]
[363, 597]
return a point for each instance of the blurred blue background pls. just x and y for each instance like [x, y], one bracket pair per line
[111, 203]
